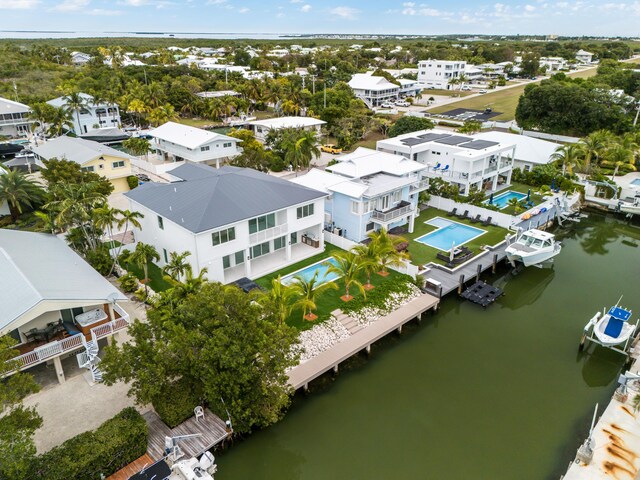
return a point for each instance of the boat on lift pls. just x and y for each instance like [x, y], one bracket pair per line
[611, 329]
[532, 247]
[631, 208]
[188, 469]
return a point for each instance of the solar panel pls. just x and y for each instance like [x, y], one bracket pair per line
[453, 140]
[410, 142]
[430, 137]
[479, 144]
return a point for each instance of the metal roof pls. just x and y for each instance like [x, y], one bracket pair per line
[38, 268]
[186, 136]
[480, 144]
[208, 198]
[76, 150]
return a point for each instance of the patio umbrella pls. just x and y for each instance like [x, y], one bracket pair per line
[553, 184]
[491, 199]
[528, 195]
[451, 255]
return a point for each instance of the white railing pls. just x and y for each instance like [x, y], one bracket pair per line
[419, 185]
[267, 234]
[338, 241]
[391, 215]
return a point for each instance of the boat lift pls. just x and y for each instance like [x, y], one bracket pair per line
[593, 330]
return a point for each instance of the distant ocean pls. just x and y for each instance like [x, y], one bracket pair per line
[25, 34]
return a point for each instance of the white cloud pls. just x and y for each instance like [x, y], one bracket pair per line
[296, 1]
[529, 8]
[71, 5]
[18, 4]
[101, 12]
[305, 8]
[216, 2]
[280, 15]
[243, 10]
[348, 13]
[135, 3]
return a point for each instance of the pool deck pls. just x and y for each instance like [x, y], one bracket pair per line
[330, 359]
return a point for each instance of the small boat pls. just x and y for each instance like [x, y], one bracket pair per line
[532, 247]
[611, 329]
[188, 469]
[630, 208]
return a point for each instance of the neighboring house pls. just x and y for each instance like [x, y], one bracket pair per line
[409, 88]
[236, 222]
[438, 73]
[92, 116]
[553, 64]
[14, 119]
[530, 152]
[582, 56]
[46, 293]
[373, 90]
[174, 142]
[458, 159]
[278, 52]
[92, 156]
[79, 58]
[219, 93]
[261, 128]
[368, 190]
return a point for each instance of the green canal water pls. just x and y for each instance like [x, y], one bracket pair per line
[500, 393]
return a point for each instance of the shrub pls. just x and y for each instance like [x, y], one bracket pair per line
[100, 260]
[128, 282]
[379, 296]
[141, 295]
[132, 181]
[116, 443]
[177, 401]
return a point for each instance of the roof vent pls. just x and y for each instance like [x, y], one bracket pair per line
[182, 220]
[175, 190]
[169, 207]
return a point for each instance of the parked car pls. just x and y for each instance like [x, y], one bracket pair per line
[330, 148]
[482, 91]
[144, 178]
[466, 87]
[402, 103]
[387, 105]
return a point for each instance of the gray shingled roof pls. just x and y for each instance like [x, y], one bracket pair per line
[207, 198]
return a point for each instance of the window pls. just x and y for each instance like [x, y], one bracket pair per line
[279, 243]
[118, 164]
[259, 250]
[355, 207]
[262, 223]
[369, 226]
[226, 145]
[164, 254]
[204, 149]
[88, 169]
[239, 257]
[384, 202]
[305, 211]
[397, 195]
[223, 236]
[226, 262]
[160, 222]
[294, 238]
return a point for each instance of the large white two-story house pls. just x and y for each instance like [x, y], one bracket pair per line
[91, 116]
[439, 73]
[236, 222]
[462, 160]
[14, 119]
[261, 128]
[368, 190]
[373, 90]
[53, 303]
[174, 142]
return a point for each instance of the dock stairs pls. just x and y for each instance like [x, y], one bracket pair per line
[89, 359]
[349, 323]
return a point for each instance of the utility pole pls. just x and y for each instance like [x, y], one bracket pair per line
[635, 120]
[325, 94]
[313, 84]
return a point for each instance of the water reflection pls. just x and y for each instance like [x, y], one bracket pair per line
[530, 284]
[601, 232]
[601, 367]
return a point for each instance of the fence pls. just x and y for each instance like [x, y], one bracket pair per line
[501, 219]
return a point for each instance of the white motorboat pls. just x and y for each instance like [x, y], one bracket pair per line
[628, 207]
[188, 469]
[532, 247]
[611, 329]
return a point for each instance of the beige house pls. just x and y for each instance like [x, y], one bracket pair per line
[92, 156]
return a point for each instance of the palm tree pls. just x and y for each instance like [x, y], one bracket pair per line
[59, 121]
[369, 258]
[570, 155]
[515, 203]
[191, 283]
[619, 156]
[137, 145]
[139, 108]
[141, 256]
[163, 114]
[386, 245]
[19, 191]
[280, 297]
[309, 291]
[347, 265]
[307, 145]
[75, 102]
[105, 217]
[592, 148]
[127, 217]
[177, 265]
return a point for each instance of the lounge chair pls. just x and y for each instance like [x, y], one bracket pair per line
[476, 219]
[487, 222]
[437, 167]
[453, 212]
[445, 169]
[464, 215]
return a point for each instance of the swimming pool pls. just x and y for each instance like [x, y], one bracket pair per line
[449, 233]
[307, 273]
[502, 200]
[636, 182]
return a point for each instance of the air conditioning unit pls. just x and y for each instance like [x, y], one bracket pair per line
[337, 231]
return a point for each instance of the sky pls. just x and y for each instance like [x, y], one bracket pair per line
[572, 17]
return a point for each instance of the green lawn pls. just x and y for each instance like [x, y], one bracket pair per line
[198, 122]
[422, 254]
[427, 92]
[156, 282]
[330, 300]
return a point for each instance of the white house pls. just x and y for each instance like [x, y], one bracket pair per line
[236, 222]
[80, 58]
[438, 73]
[530, 152]
[458, 159]
[584, 57]
[553, 64]
[261, 128]
[409, 88]
[91, 116]
[14, 119]
[52, 302]
[174, 142]
[368, 190]
[373, 90]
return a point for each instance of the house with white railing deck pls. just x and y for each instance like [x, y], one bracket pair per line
[54, 304]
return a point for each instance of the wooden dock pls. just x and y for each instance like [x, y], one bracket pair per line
[212, 430]
[133, 468]
[301, 375]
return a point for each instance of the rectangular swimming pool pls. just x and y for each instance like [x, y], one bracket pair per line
[449, 233]
[502, 200]
[308, 272]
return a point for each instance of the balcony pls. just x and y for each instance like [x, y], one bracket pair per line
[268, 234]
[419, 186]
[402, 209]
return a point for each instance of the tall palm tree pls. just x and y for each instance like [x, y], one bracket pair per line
[127, 217]
[592, 147]
[387, 249]
[369, 258]
[280, 297]
[58, 122]
[105, 217]
[138, 146]
[141, 256]
[177, 266]
[19, 191]
[309, 291]
[74, 103]
[347, 266]
[307, 144]
[163, 114]
[619, 156]
[139, 108]
[191, 283]
[570, 155]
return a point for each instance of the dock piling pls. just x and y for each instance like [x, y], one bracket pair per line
[368, 350]
[335, 369]
[478, 272]
[495, 263]
[461, 284]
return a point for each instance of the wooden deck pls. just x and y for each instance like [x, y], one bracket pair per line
[131, 469]
[212, 428]
[302, 374]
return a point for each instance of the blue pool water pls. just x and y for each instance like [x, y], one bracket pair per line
[307, 273]
[448, 233]
[636, 182]
[502, 200]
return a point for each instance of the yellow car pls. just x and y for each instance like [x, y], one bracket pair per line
[330, 148]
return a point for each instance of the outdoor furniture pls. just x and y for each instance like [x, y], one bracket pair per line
[70, 328]
[476, 219]
[199, 412]
[464, 215]
[445, 169]
[35, 335]
[487, 222]
[437, 167]
[453, 212]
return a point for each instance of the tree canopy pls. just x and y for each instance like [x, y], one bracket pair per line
[408, 124]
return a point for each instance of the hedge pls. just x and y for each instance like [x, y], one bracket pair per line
[177, 402]
[132, 181]
[113, 445]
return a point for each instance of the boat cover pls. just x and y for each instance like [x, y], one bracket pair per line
[620, 313]
[614, 327]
